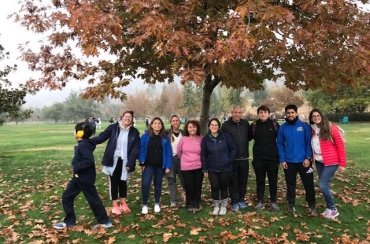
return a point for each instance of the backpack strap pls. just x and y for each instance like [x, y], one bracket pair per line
[274, 123]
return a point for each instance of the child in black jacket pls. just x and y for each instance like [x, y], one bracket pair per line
[83, 179]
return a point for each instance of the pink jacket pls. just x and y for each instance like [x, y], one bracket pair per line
[333, 153]
[188, 150]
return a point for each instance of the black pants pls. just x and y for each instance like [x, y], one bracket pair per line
[116, 185]
[238, 182]
[73, 189]
[219, 183]
[193, 180]
[307, 180]
[261, 168]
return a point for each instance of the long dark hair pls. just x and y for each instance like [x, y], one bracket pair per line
[162, 132]
[324, 125]
[194, 123]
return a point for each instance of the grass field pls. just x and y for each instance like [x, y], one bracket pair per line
[35, 168]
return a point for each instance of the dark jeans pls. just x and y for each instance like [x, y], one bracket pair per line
[193, 187]
[261, 168]
[238, 182]
[307, 180]
[146, 180]
[73, 189]
[171, 178]
[116, 185]
[219, 183]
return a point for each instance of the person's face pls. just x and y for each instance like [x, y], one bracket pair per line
[291, 114]
[263, 115]
[237, 114]
[126, 120]
[192, 129]
[213, 127]
[156, 125]
[175, 122]
[316, 118]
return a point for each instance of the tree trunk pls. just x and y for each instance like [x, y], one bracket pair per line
[208, 86]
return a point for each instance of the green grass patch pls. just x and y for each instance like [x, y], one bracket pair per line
[35, 166]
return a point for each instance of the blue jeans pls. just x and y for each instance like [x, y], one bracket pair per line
[325, 174]
[146, 180]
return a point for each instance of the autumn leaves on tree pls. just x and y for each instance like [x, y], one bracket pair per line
[310, 44]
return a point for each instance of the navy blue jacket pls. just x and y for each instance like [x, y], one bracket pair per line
[111, 133]
[83, 162]
[218, 155]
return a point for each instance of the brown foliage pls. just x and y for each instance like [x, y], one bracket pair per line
[311, 43]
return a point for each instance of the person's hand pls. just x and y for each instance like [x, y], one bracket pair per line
[206, 174]
[127, 168]
[142, 168]
[167, 171]
[284, 165]
[341, 169]
[306, 163]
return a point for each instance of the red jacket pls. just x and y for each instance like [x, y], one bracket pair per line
[333, 153]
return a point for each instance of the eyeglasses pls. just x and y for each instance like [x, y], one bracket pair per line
[316, 116]
[213, 125]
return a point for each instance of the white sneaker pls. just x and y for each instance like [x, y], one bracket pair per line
[157, 209]
[144, 210]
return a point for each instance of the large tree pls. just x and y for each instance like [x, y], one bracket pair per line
[11, 98]
[240, 43]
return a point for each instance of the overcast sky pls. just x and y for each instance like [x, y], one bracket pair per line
[11, 35]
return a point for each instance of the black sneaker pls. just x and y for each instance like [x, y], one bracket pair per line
[312, 211]
[291, 209]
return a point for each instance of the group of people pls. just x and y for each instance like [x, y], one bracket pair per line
[221, 155]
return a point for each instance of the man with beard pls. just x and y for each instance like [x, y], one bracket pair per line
[295, 152]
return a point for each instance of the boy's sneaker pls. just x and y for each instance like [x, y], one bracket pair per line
[331, 214]
[291, 209]
[323, 214]
[259, 206]
[312, 211]
[242, 205]
[157, 209]
[235, 207]
[62, 225]
[173, 204]
[144, 210]
[274, 207]
[106, 225]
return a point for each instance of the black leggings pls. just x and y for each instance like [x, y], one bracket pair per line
[116, 185]
[219, 183]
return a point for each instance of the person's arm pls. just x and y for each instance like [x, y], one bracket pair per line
[179, 147]
[103, 136]
[308, 136]
[143, 149]
[280, 142]
[134, 154]
[339, 144]
[232, 147]
[203, 153]
[168, 152]
[87, 158]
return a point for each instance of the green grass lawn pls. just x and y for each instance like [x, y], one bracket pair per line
[35, 168]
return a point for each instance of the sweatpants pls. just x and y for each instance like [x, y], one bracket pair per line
[306, 175]
[73, 189]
